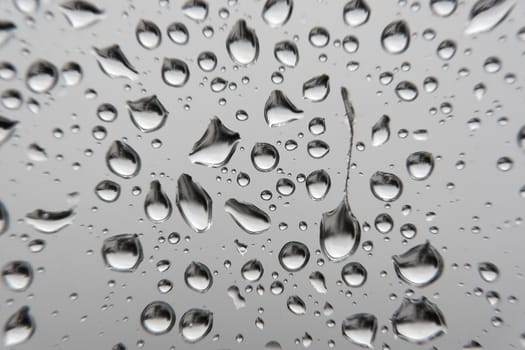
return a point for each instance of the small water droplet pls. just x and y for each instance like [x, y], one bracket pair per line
[485, 15]
[198, 277]
[354, 274]
[286, 53]
[265, 157]
[318, 184]
[296, 305]
[279, 110]
[81, 14]
[196, 10]
[194, 203]
[41, 76]
[147, 113]
[50, 221]
[317, 88]
[396, 37]
[148, 34]
[157, 204]
[420, 165]
[386, 187]
[488, 272]
[381, 131]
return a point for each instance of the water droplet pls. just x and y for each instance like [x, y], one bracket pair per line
[285, 187]
[242, 43]
[50, 221]
[296, 305]
[381, 131]
[396, 37]
[122, 160]
[485, 15]
[350, 44]
[443, 8]
[7, 129]
[356, 13]
[114, 63]
[360, 329]
[340, 232]
[319, 37]
[419, 266]
[194, 203]
[520, 138]
[446, 49]
[147, 113]
[41, 76]
[207, 61]
[354, 274]
[72, 73]
[318, 282]
[286, 53]
[294, 256]
[265, 157]
[317, 149]
[195, 324]
[249, 217]
[178, 33]
[252, 270]
[157, 317]
[277, 12]
[198, 277]
[418, 321]
[318, 184]
[148, 34]
[19, 327]
[386, 186]
[81, 14]
[107, 112]
[175, 72]
[420, 165]
[279, 110]
[317, 88]
[122, 253]
[238, 300]
[216, 146]
[157, 204]
[406, 91]
[488, 272]
[196, 10]
[17, 275]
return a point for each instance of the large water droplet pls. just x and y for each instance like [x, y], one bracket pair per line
[384, 223]
[148, 34]
[242, 43]
[72, 73]
[317, 149]
[196, 10]
[443, 8]
[252, 270]
[19, 327]
[157, 317]
[386, 186]
[4, 218]
[396, 37]
[340, 232]
[420, 165]
[249, 217]
[41, 76]
[107, 190]
[318, 184]
[520, 138]
[296, 305]
[81, 14]
[419, 266]
[265, 157]
[216, 146]
[354, 274]
[157, 204]
[356, 13]
[488, 272]
[277, 12]
[175, 72]
[122, 252]
[194, 203]
[279, 110]
[50, 221]
[147, 113]
[207, 61]
[286, 53]
[294, 256]
[418, 321]
[122, 160]
[114, 63]
[317, 88]
[195, 324]
[485, 15]
[17, 275]
[381, 131]
[360, 329]
[198, 277]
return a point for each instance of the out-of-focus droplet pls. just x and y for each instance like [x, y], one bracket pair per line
[107, 190]
[293, 256]
[419, 266]
[418, 321]
[249, 217]
[485, 15]
[195, 324]
[198, 277]
[157, 317]
[123, 160]
[356, 13]
[386, 187]
[317, 88]
[443, 8]
[340, 232]
[194, 203]
[420, 165]
[148, 34]
[196, 10]
[354, 274]
[265, 157]
[279, 110]
[242, 43]
[360, 329]
[72, 73]
[114, 63]
[318, 184]
[19, 327]
[122, 253]
[175, 72]
[50, 221]
[41, 76]
[147, 113]
[7, 129]
[17, 275]
[296, 305]
[277, 12]
[81, 14]
[395, 38]
[381, 131]
[157, 205]
[488, 272]
[286, 53]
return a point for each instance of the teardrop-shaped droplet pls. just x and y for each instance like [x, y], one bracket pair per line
[354, 274]
[122, 252]
[279, 110]
[198, 277]
[157, 317]
[360, 329]
[17, 275]
[386, 187]
[194, 203]
[114, 63]
[50, 221]
[340, 232]
[318, 184]
[242, 43]
[418, 321]
[107, 190]
[286, 53]
[122, 160]
[252, 270]
[419, 266]
[81, 14]
[356, 13]
[196, 10]
[4, 218]
[277, 12]
[148, 34]
[485, 15]
[72, 73]
[317, 88]
[396, 37]
[488, 272]
[41, 76]
[216, 146]
[420, 165]
[178, 33]
[19, 327]
[381, 131]
[293, 256]
[7, 129]
[443, 8]
[249, 217]
[265, 157]
[175, 72]
[147, 113]
[296, 305]
[195, 324]
[318, 282]
[157, 205]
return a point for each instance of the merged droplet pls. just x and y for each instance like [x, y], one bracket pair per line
[207, 61]
[279, 110]
[41, 76]
[265, 157]
[419, 266]
[148, 34]
[418, 321]
[356, 13]
[122, 160]
[420, 165]
[157, 205]
[360, 329]
[485, 15]
[81, 14]
[294, 256]
[157, 317]
[396, 37]
[17, 275]
[195, 324]
[122, 253]
[147, 113]
[381, 131]
[386, 187]
[277, 12]
[194, 203]
[196, 10]
[19, 327]
[354, 274]
[242, 43]
[198, 277]
[249, 217]
[50, 221]
[318, 184]
[296, 305]
[114, 63]
[216, 146]
[252, 270]
[317, 88]
[340, 232]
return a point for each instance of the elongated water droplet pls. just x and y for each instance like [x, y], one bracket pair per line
[122, 160]
[356, 13]
[195, 324]
[198, 277]
[216, 146]
[443, 8]
[249, 217]
[318, 184]
[286, 53]
[265, 157]
[194, 203]
[296, 305]
[360, 329]
[520, 137]
[318, 282]
[122, 253]
[157, 204]
[488, 272]
[81, 14]
[381, 131]
[279, 110]
[419, 266]
[386, 187]
[50, 221]
[317, 88]
[340, 232]
[277, 12]
[238, 300]
[148, 34]
[242, 43]
[196, 10]
[252, 270]
[7, 129]
[418, 321]
[147, 113]
[4, 218]
[114, 63]
[19, 327]
[41, 76]
[294, 256]
[107, 190]
[485, 15]
[420, 165]
[354, 274]
[175, 72]
[396, 37]
[157, 317]
[17, 275]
